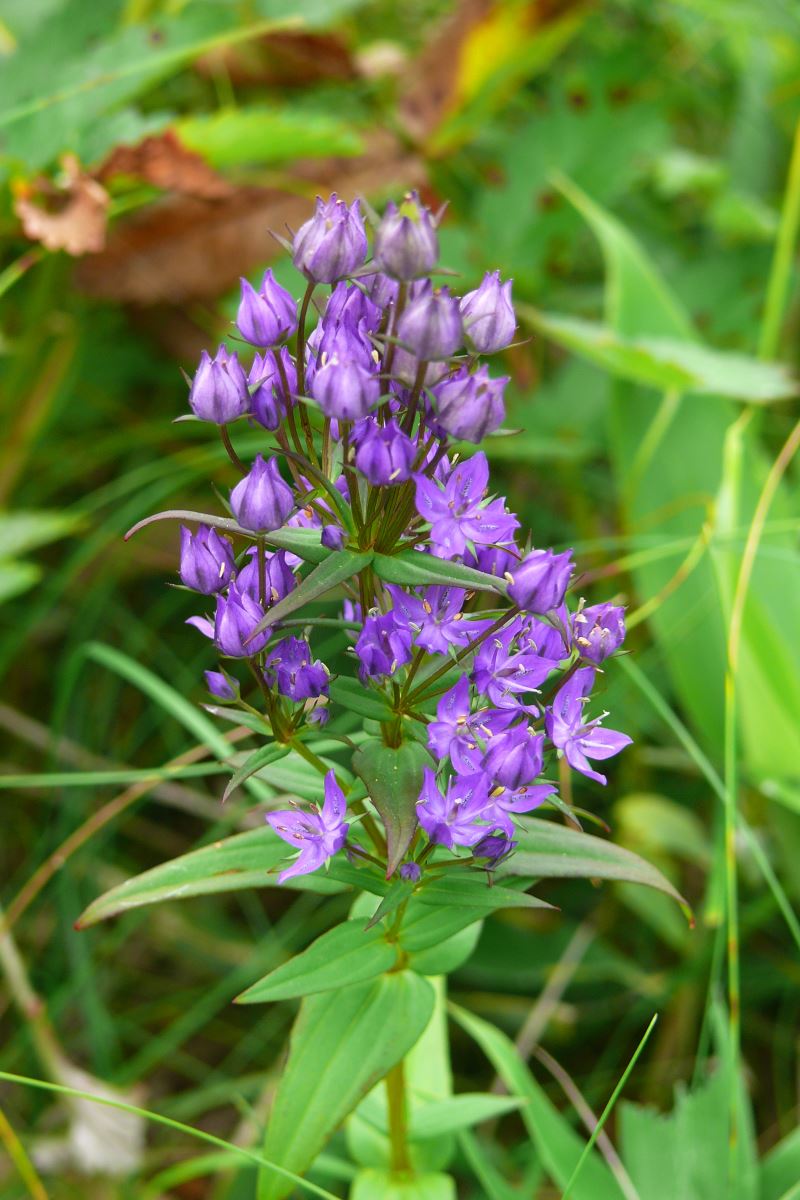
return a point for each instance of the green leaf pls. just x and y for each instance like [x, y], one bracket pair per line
[246, 860]
[666, 363]
[780, 1168]
[323, 578]
[305, 543]
[549, 851]
[393, 778]
[343, 1043]
[556, 1142]
[17, 577]
[344, 955]
[448, 955]
[399, 891]
[374, 1184]
[459, 1112]
[425, 926]
[355, 696]
[412, 569]
[475, 892]
[231, 137]
[23, 531]
[263, 757]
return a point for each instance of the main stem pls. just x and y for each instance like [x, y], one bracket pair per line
[398, 1128]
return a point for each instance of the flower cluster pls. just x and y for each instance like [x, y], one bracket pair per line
[369, 396]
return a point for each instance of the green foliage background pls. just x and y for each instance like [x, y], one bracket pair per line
[629, 163]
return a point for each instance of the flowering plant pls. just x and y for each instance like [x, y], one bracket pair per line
[460, 670]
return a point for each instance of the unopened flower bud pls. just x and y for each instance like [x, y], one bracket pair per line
[268, 316]
[332, 243]
[268, 398]
[411, 871]
[494, 847]
[470, 406]
[406, 246]
[262, 500]
[206, 560]
[290, 668]
[219, 388]
[430, 327]
[345, 389]
[384, 454]
[539, 583]
[222, 685]
[598, 631]
[488, 315]
[237, 617]
[332, 537]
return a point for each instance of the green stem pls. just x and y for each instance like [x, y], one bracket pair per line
[301, 339]
[398, 1128]
[229, 450]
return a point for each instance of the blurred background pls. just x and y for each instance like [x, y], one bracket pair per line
[627, 163]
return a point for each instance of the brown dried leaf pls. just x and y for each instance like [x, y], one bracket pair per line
[184, 248]
[284, 59]
[432, 88]
[163, 161]
[71, 216]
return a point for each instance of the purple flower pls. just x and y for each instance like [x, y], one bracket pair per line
[236, 618]
[598, 631]
[219, 388]
[317, 835]
[268, 398]
[406, 245]
[457, 512]
[505, 804]
[430, 327]
[290, 668]
[449, 819]
[383, 645]
[332, 243]
[381, 289]
[539, 583]
[207, 561]
[505, 673]
[332, 537]
[469, 406]
[279, 578]
[577, 739]
[457, 730]
[268, 316]
[411, 871]
[222, 685]
[488, 315]
[494, 848]
[348, 303]
[514, 758]
[345, 389]
[262, 500]
[434, 618]
[384, 454]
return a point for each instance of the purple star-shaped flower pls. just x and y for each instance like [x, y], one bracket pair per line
[505, 673]
[461, 733]
[580, 740]
[449, 819]
[317, 835]
[459, 513]
[290, 668]
[435, 618]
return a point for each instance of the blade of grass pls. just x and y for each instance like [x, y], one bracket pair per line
[102, 778]
[783, 259]
[157, 1119]
[19, 1157]
[607, 1110]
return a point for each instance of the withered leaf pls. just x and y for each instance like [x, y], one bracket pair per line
[163, 161]
[69, 216]
[184, 248]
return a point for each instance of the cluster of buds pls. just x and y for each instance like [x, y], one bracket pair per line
[469, 638]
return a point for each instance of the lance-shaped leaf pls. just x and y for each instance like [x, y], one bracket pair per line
[667, 363]
[550, 851]
[353, 695]
[246, 860]
[262, 757]
[305, 543]
[344, 955]
[393, 778]
[342, 1044]
[325, 576]
[475, 892]
[412, 569]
